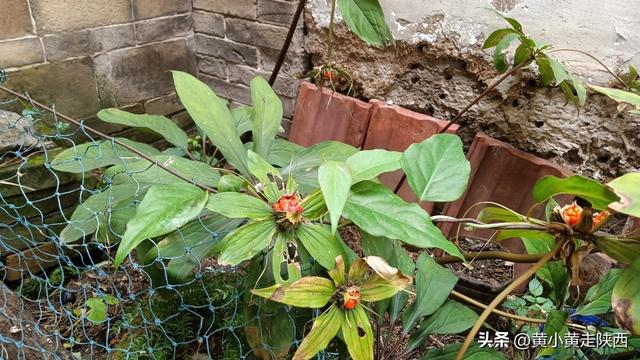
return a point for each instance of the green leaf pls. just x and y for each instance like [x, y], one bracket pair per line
[492, 214]
[325, 327]
[357, 334]
[559, 72]
[366, 19]
[544, 67]
[266, 115]
[335, 181]
[304, 166]
[598, 298]
[164, 209]
[266, 175]
[92, 155]
[618, 95]
[321, 243]
[186, 247]
[246, 241]
[368, 164]
[237, 206]
[242, 119]
[475, 352]
[308, 292]
[495, 37]
[625, 298]
[578, 86]
[523, 53]
[437, 169]
[230, 183]
[535, 287]
[621, 249]
[451, 318]
[556, 324]
[91, 213]
[378, 288]
[211, 114]
[597, 194]
[380, 212]
[499, 54]
[97, 312]
[513, 22]
[627, 187]
[283, 152]
[145, 172]
[433, 286]
[169, 130]
[314, 206]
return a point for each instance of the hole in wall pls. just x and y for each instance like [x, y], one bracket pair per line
[572, 155]
[515, 103]
[415, 79]
[430, 110]
[603, 158]
[538, 123]
[442, 96]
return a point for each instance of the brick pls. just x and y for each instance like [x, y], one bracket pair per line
[88, 42]
[127, 76]
[253, 33]
[163, 28]
[226, 50]
[395, 128]
[503, 174]
[234, 92]
[145, 9]
[208, 23]
[276, 12]
[240, 8]
[27, 51]
[212, 66]
[66, 15]
[321, 115]
[163, 105]
[16, 20]
[52, 83]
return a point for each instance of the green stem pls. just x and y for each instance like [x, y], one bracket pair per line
[592, 57]
[504, 293]
[490, 255]
[330, 40]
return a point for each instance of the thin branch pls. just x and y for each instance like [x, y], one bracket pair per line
[592, 57]
[491, 255]
[504, 293]
[287, 42]
[509, 315]
[107, 137]
[330, 40]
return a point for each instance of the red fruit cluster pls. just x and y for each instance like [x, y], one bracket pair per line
[288, 204]
[351, 297]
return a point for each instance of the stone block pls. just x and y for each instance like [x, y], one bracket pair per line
[239, 8]
[69, 85]
[234, 92]
[163, 105]
[276, 12]
[205, 22]
[16, 20]
[212, 66]
[256, 34]
[321, 115]
[395, 128]
[242, 74]
[163, 28]
[88, 42]
[67, 15]
[21, 52]
[129, 75]
[295, 63]
[226, 50]
[145, 9]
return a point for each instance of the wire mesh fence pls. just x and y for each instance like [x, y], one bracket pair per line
[62, 298]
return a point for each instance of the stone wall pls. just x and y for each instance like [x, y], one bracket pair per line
[84, 55]
[237, 40]
[438, 66]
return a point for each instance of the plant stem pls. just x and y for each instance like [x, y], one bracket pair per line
[330, 38]
[506, 314]
[484, 93]
[503, 294]
[488, 255]
[592, 57]
[107, 137]
[463, 111]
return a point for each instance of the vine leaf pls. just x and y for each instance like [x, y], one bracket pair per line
[366, 19]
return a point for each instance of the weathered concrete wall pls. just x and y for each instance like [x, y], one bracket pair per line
[237, 40]
[84, 55]
[438, 66]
